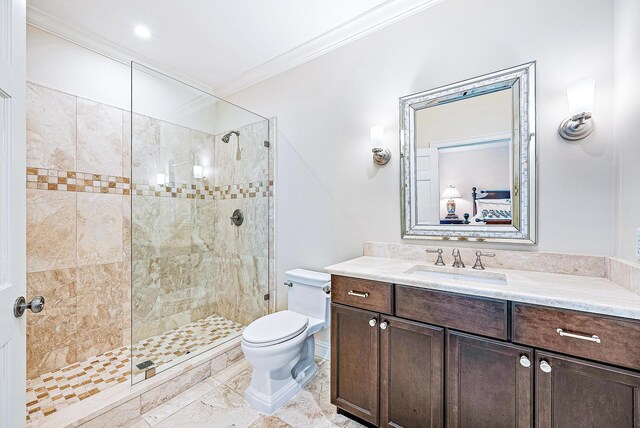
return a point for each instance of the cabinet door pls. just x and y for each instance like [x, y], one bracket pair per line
[573, 393]
[489, 383]
[354, 361]
[411, 374]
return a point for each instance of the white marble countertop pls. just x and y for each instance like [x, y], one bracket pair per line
[581, 293]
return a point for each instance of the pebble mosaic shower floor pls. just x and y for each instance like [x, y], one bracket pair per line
[53, 391]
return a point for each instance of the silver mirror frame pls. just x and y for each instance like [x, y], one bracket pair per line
[525, 232]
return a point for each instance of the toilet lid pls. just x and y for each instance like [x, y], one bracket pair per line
[275, 328]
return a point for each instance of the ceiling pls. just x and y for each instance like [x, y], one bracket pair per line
[225, 45]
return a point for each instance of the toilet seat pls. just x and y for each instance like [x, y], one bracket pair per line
[274, 328]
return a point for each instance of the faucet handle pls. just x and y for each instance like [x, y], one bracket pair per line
[479, 254]
[439, 262]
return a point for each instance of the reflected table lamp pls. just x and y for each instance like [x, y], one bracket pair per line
[451, 194]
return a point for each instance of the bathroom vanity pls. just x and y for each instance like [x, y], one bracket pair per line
[538, 349]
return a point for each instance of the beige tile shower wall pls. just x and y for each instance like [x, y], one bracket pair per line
[242, 253]
[188, 261]
[75, 237]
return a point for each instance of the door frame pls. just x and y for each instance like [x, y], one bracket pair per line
[12, 211]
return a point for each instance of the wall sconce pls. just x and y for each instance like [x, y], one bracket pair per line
[451, 194]
[580, 96]
[198, 172]
[160, 179]
[381, 156]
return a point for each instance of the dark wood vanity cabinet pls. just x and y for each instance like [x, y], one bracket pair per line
[355, 344]
[576, 393]
[411, 374]
[489, 383]
[387, 365]
[405, 356]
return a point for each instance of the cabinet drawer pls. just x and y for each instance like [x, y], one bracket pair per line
[573, 333]
[470, 314]
[362, 293]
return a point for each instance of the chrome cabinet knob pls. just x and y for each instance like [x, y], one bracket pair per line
[35, 305]
[525, 361]
[373, 322]
[545, 366]
[384, 325]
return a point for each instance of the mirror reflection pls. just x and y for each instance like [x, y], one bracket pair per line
[464, 161]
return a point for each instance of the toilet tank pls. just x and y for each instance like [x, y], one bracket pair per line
[305, 293]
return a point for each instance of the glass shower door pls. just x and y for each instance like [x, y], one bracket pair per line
[200, 220]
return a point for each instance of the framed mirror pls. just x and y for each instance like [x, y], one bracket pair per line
[469, 159]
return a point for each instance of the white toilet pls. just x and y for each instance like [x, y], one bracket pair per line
[280, 346]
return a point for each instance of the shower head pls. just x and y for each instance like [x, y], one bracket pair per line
[225, 137]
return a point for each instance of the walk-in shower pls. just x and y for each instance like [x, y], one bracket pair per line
[196, 278]
[148, 270]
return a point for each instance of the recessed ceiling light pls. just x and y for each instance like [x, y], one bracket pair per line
[142, 31]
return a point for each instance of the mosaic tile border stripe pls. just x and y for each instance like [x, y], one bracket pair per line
[72, 181]
[204, 191]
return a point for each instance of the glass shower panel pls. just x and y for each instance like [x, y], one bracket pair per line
[199, 220]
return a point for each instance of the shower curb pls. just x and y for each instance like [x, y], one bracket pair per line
[124, 404]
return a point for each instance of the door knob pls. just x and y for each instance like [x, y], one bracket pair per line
[545, 366]
[35, 305]
[373, 322]
[384, 325]
[524, 361]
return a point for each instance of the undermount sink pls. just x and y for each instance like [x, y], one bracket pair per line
[475, 277]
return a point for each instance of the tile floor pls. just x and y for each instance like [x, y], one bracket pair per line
[51, 392]
[172, 346]
[218, 402]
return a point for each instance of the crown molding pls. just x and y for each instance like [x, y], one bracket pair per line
[368, 22]
[91, 41]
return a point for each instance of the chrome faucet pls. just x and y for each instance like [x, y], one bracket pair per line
[457, 260]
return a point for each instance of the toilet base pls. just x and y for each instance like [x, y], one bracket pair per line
[270, 404]
[271, 390]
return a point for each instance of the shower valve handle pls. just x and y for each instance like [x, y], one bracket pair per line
[237, 218]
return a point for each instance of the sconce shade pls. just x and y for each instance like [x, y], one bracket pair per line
[381, 155]
[580, 96]
[377, 136]
[197, 171]
[451, 193]
[579, 124]
[160, 179]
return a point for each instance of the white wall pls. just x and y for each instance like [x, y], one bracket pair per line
[627, 112]
[330, 196]
[59, 64]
